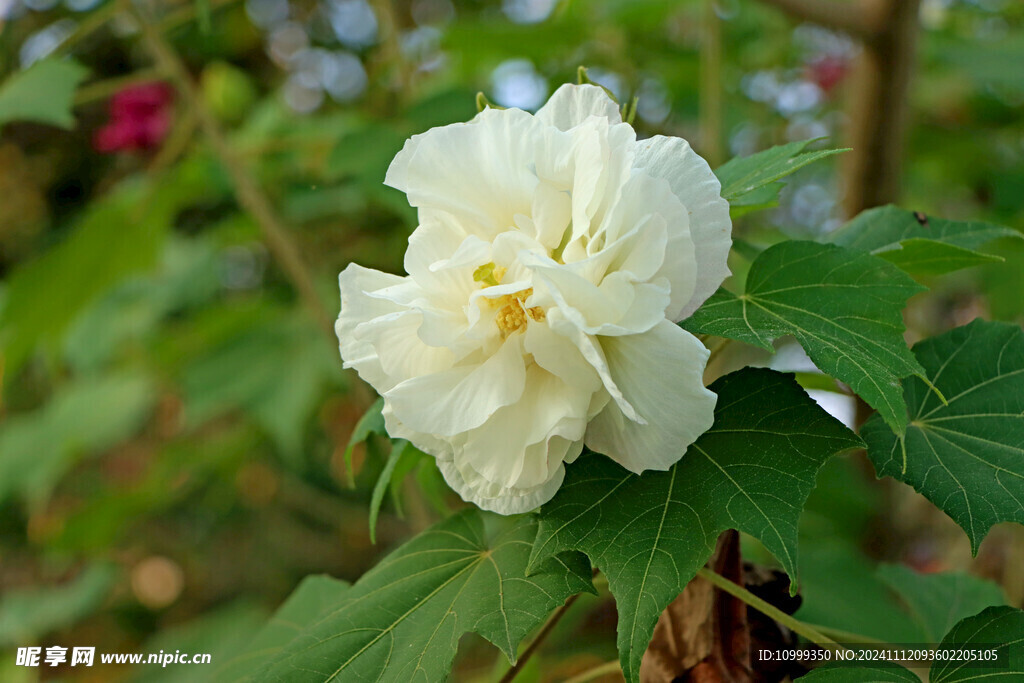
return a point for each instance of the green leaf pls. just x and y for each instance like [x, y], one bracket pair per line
[116, 237]
[28, 614]
[753, 181]
[844, 308]
[999, 627]
[401, 451]
[42, 93]
[219, 632]
[841, 590]
[857, 672]
[402, 621]
[752, 471]
[938, 601]
[275, 370]
[372, 422]
[311, 601]
[966, 457]
[86, 416]
[919, 244]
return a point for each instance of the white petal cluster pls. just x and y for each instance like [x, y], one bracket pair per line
[553, 256]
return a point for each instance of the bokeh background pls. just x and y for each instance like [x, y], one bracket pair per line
[174, 415]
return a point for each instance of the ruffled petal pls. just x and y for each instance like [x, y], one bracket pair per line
[571, 105]
[696, 186]
[504, 500]
[463, 398]
[511, 447]
[359, 307]
[481, 172]
[660, 373]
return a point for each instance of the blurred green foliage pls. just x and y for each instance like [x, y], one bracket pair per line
[166, 396]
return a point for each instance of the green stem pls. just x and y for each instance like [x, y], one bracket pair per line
[596, 672]
[544, 632]
[769, 610]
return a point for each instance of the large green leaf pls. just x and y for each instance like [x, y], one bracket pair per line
[311, 601]
[841, 590]
[999, 627]
[752, 471]
[938, 601]
[920, 244]
[987, 646]
[967, 457]
[402, 621]
[753, 181]
[843, 306]
[42, 93]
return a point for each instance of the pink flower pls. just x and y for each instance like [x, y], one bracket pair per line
[827, 71]
[140, 117]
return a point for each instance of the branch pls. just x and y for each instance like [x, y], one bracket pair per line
[862, 18]
[249, 195]
[767, 609]
[544, 632]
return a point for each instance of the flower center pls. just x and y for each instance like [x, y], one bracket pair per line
[512, 314]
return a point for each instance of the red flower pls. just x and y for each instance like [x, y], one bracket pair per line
[140, 117]
[827, 71]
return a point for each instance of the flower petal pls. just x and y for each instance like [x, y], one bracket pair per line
[510, 448]
[572, 104]
[465, 156]
[359, 307]
[660, 373]
[505, 500]
[696, 186]
[463, 398]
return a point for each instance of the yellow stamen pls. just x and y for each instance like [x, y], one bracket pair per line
[512, 314]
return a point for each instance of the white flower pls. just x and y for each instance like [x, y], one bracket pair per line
[553, 256]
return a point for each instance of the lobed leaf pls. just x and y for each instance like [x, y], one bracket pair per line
[843, 306]
[311, 601]
[998, 629]
[753, 181]
[649, 533]
[402, 621]
[919, 244]
[966, 456]
[938, 601]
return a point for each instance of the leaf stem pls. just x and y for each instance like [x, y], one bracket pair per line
[596, 672]
[544, 632]
[766, 608]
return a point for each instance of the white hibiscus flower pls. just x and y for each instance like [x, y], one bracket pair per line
[554, 254]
